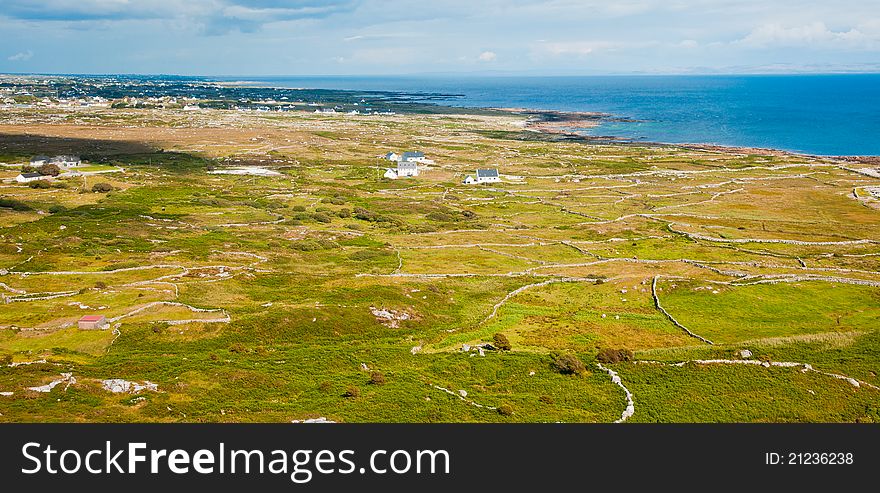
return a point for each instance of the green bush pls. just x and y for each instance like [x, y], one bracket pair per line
[351, 392]
[14, 204]
[102, 187]
[567, 363]
[607, 355]
[377, 378]
[501, 342]
[505, 409]
[41, 184]
[321, 217]
[49, 169]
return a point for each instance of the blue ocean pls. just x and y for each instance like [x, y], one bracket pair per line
[814, 114]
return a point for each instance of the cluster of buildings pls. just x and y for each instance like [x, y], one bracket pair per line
[407, 164]
[62, 161]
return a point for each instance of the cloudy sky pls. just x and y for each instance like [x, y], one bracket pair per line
[312, 37]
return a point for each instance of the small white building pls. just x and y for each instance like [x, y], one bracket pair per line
[414, 156]
[469, 180]
[390, 173]
[407, 168]
[39, 160]
[29, 177]
[392, 156]
[487, 175]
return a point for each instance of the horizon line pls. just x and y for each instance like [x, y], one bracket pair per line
[498, 74]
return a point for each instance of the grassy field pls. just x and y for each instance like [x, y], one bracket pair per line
[326, 290]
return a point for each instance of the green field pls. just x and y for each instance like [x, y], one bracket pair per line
[328, 291]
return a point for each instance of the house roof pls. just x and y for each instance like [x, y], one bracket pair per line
[30, 175]
[65, 158]
[487, 173]
[410, 154]
[91, 318]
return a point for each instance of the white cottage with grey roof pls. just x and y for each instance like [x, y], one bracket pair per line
[487, 175]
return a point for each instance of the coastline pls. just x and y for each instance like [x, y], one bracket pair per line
[561, 123]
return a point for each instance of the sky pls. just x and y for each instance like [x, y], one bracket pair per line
[401, 37]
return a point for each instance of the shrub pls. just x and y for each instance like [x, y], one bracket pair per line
[27, 168]
[545, 399]
[100, 285]
[344, 213]
[102, 187]
[213, 357]
[366, 215]
[440, 217]
[49, 169]
[56, 208]
[351, 392]
[299, 208]
[505, 410]
[325, 386]
[321, 217]
[6, 359]
[13, 204]
[41, 184]
[608, 355]
[377, 378]
[237, 348]
[566, 363]
[501, 342]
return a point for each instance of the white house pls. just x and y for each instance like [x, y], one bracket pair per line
[407, 168]
[392, 156]
[487, 175]
[39, 160]
[415, 156]
[469, 180]
[390, 173]
[66, 161]
[28, 177]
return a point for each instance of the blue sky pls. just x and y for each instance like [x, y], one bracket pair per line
[546, 37]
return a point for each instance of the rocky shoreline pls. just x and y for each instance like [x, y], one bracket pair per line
[560, 123]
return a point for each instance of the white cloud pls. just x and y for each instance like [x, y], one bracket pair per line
[584, 48]
[21, 56]
[487, 56]
[814, 34]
